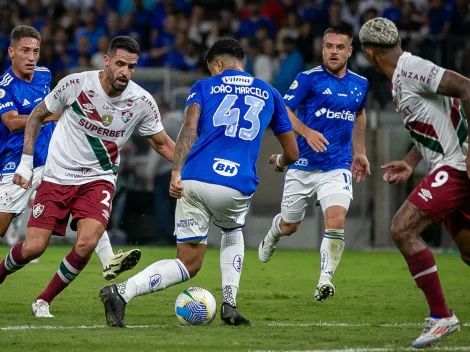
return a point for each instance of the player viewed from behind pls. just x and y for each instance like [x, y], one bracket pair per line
[330, 101]
[214, 178]
[23, 86]
[100, 111]
[427, 98]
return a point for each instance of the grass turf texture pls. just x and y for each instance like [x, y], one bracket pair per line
[374, 291]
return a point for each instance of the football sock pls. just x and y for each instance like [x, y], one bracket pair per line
[423, 268]
[13, 262]
[275, 232]
[232, 251]
[104, 249]
[331, 250]
[69, 269]
[155, 277]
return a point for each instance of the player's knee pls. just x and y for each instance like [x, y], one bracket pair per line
[33, 248]
[85, 245]
[398, 236]
[288, 229]
[334, 221]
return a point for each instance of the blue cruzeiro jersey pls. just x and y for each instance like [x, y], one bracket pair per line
[17, 94]
[236, 109]
[327, 104]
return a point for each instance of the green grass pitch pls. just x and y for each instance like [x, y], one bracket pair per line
[376, 307]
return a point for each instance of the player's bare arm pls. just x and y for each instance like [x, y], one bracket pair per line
[163, 145]
[315, 139]
[455, 85]
[24, 172]
[185, 141]
[17, 123]
[290, 152]
[360, 167]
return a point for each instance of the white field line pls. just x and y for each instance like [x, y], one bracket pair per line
[273, 323]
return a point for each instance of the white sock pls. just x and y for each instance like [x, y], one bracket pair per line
[232, 252]
[104, 249]
[331, 250]
[155, 277]
[275, 233]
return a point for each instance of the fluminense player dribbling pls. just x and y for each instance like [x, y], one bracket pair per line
[330, 100]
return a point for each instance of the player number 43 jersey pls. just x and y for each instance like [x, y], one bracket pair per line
[435, 122]
[93, 128]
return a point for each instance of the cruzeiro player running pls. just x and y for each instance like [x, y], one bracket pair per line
[214, 177]
[100, 110]
[427, 98]
[330, 101]
[22, 87]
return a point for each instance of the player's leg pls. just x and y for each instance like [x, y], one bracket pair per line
[192, 221]
[5, 222]
[298, 189]
[229, 208]
[335, 208]
[115, 264]
[462, 240]
[23, 252]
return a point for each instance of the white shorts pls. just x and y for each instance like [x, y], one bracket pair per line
[301, 187]
[203, 202]
[13, 198]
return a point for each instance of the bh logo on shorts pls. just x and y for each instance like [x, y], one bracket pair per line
[225, 167]
[37, 210]
[238, 262]
[155, 281]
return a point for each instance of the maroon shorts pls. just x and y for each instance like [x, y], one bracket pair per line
[54, 203]
[445, 196]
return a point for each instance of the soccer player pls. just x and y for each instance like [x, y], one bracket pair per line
[426, 97]
[22, 87]
[213, 177]
[100, 109]
[331, 108]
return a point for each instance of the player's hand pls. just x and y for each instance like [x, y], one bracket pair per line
[360, 168]
[23, 177]
[468, 165]
[397, 172]
[176, 186]
[275, 159]
[316, 140]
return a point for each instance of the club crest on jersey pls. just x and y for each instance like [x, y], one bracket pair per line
[2, 93]
[130, 103]
[106, 120]
[37, 210]
[91, 93]
[126, 116]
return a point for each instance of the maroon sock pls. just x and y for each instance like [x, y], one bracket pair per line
[424, 271]
[69, 269]
[13, 262]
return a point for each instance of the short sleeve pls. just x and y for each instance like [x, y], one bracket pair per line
[6, 102]
[195, 95]
[280, 122]
[421, 76]
[364, 97]
[65, 93]
[151, 122]
[298, 91]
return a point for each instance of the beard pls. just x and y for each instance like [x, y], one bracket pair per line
[337, 68]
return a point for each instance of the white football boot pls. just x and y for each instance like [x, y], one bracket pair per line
[435, 330]
[324, 290]
[40, 309]
[121, 262]
[267, 247]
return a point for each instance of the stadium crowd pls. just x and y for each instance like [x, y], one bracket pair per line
[281, 37]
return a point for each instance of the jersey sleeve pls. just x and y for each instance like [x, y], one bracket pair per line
[195, 95]
[298, 91]
[65, 93]
[364, 97]
[151, 122]
[280, 122]
[6, 102]
[422, 76]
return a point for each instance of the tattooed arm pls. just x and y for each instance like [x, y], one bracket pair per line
[186, 138]
[413, 157]
[24, 172]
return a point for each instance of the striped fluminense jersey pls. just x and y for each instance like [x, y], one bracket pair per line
[93, 128]
[436, 123]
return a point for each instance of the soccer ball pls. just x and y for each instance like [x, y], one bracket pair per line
[195, 306]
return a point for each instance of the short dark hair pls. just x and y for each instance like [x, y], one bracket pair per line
[344, 30]
[124, 43]
[225, 46]
[24, 32]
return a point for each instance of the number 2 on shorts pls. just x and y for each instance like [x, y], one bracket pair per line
[107, 197]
